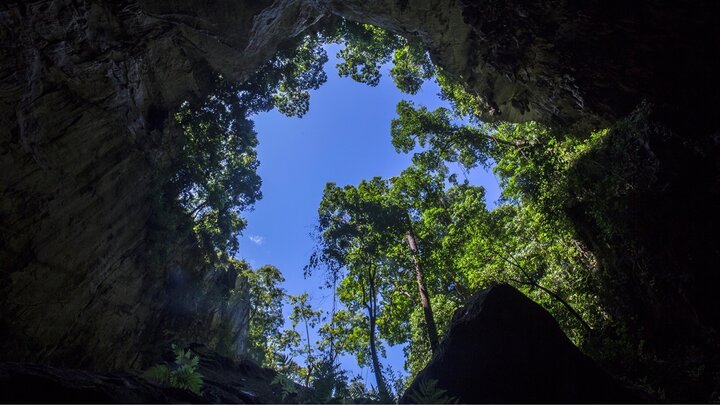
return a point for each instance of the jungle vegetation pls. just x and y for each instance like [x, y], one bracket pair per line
[400, 254]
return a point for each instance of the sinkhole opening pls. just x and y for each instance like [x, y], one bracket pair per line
[354, 188]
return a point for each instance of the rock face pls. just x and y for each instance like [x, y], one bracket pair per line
[33, 383]
[224, 381]
[503, 348]
[85, 90]
[566, 63]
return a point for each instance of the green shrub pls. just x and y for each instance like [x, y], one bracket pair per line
[287, 386]
[427, 392]
[183, 374]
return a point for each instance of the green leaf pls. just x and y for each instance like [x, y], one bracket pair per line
[159, 373]
[427, 392]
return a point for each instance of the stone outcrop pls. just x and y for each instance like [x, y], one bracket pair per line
[34, 383]
[501, 347]
[224, 381]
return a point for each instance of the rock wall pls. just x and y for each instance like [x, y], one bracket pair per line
[224, 382]
[85, 90]
[575, 65]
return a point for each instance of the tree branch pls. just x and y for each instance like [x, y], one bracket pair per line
[551, 293]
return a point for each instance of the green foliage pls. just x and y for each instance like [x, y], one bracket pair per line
[269, 344]
[398, 381]
[183, 374]
[302, 311]
[529, 242]
[303, 314]
[411, 67]
[282, 346]
[363, 233]
[604, 187]
[285, 80]
[158, 372]
[186, 377]
[330, 382]
[298, 72]
[358, 392]
[427, 392]
[461, 245]
[215, 171]
[266, 317]
[463, 103]
[366, 49]
[443, 139]
[213, 174]
[287, 386]
[357, 388]
[417, 351]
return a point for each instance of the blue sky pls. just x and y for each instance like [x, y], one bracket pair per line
[344, 138]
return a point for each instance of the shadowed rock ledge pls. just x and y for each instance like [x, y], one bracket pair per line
[225, 381]
[501, 347]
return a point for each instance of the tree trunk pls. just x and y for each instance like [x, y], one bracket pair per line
[310, 366]
[552, 294]
[382, 387]
[422, 289]
[372, 309]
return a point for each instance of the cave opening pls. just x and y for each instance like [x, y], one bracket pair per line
[344, 138]
[454, 165]
[130, 159]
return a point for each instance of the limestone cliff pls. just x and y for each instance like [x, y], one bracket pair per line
[85, 90]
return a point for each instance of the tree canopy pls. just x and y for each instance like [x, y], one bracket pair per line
[401, 254]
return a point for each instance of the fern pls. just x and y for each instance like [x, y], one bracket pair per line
[427, 392]
[184, 374]
[159, 373]
[287, 386]
[187, 378]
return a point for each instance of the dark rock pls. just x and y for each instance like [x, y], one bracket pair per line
[35, 383]
[85, 92]
[502, 347]
[229, 381]
[225, 381]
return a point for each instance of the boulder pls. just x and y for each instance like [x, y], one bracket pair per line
[501, 347]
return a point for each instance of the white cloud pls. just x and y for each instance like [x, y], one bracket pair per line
[256, 239]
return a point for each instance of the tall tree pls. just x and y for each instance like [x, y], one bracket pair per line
[527, 242]
[303, 314]
[370, 217]
[392, 219]
[354, 244]
[363, 285]
[413, 192]
[422, 288]
[265, 317]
